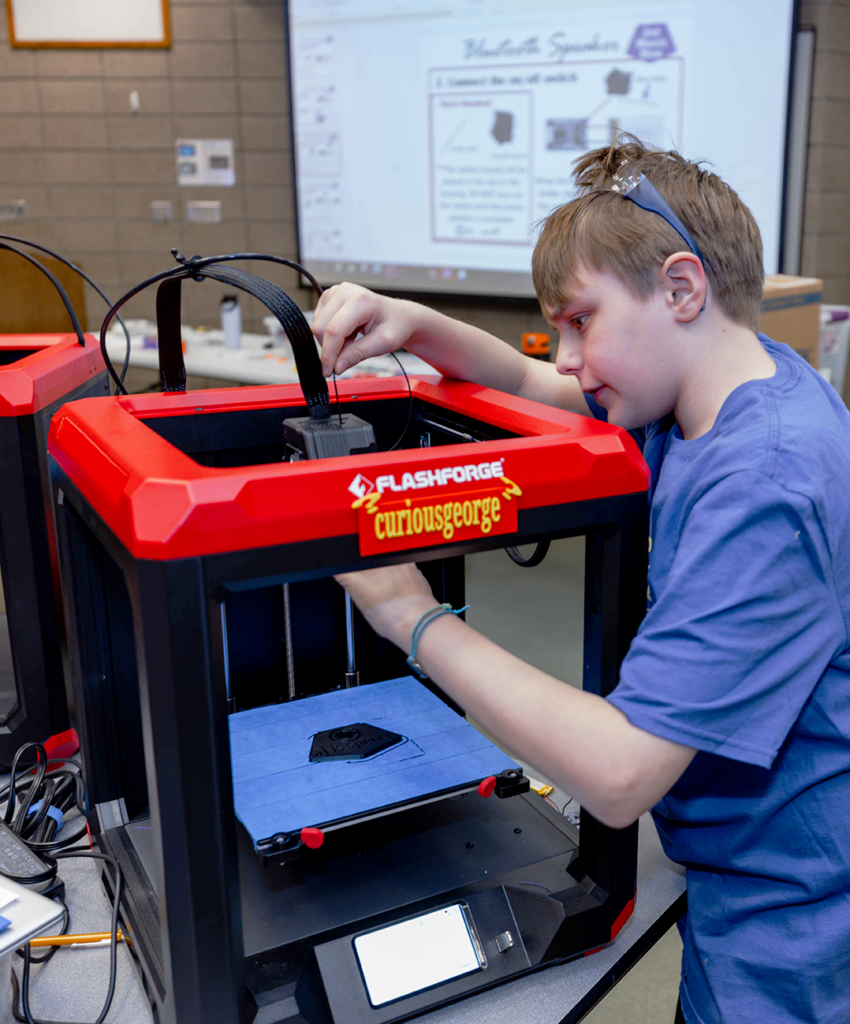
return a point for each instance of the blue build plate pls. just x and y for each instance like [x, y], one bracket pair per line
[277, 789]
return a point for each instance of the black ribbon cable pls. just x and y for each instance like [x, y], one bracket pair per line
[171, 365]
[172, 369]
[292, 320]
[63, 295]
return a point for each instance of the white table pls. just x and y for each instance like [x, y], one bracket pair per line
[263, 359]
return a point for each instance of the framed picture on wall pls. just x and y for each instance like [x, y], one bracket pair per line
[88, 23]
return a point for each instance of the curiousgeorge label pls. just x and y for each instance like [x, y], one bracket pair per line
[424, 521]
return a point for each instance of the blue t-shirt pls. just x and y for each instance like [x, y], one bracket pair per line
[744, 655]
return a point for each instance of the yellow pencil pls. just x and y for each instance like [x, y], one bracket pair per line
[72, 940]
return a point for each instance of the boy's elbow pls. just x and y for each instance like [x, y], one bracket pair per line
[634, 778]
[618, 817]
[623, 801]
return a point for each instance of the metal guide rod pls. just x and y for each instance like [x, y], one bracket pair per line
[225, 651]
[287, 638]
[352, 676]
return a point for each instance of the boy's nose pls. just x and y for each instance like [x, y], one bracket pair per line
[568, 360]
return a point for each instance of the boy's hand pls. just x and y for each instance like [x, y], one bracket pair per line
[392, 600]
[346, 310]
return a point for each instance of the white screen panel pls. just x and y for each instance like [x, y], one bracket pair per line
[431, 137]
[416, 954]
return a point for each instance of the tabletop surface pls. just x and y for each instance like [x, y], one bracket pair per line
[262, 359]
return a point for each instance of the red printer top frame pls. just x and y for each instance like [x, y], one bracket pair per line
[59, 365]
[161, 504]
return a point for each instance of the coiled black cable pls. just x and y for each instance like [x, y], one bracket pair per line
[63, 789]
[69, 792]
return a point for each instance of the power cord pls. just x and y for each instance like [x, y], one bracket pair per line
[409, 404]
[63, 295]
[61, 290]
[61, 791]
[26, 1016]
[36, 803]
[66, 922]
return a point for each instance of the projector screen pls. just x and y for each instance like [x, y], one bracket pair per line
[430, 137]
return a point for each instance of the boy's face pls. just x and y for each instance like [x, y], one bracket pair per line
[620, 348]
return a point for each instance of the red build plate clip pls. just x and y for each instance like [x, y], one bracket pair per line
[486, 786]
[312, 837]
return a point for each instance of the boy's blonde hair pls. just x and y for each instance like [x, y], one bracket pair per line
[604, 231]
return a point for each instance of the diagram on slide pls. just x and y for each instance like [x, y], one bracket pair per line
[481, 166]
[503, 136]
[319, 142]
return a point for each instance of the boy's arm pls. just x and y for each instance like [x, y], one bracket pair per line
[456, 349]
[576, 739]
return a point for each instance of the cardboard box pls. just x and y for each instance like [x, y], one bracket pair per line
[790, 312]
[834, 344]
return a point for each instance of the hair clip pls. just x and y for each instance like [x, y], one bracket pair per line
[636, 187]
[625, 183]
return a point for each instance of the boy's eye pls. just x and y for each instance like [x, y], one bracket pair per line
[577, 322]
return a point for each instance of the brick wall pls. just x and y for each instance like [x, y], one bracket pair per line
[89, 168]
[826, 229]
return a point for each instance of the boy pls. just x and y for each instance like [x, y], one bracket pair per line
[732, 715]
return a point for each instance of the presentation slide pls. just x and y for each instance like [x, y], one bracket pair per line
[431, 139]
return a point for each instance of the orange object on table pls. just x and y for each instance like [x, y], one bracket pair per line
[536, 345]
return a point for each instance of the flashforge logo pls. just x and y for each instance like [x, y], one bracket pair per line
[360, 486]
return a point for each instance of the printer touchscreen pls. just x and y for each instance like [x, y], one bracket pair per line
[416, 954]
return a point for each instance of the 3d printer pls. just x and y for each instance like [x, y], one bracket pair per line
[38, 374]
[373, 872]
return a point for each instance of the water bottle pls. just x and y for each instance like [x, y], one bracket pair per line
[231, 321]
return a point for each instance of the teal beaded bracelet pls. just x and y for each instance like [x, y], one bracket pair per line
[419, 629]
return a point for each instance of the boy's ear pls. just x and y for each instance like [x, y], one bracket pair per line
[683, 285]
